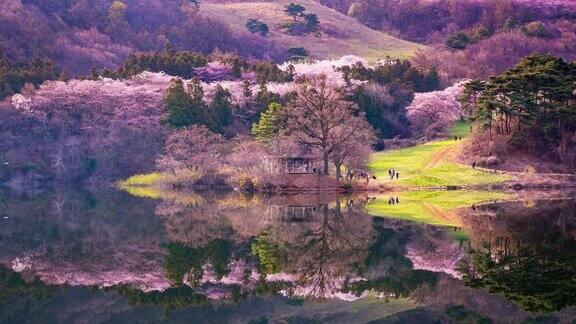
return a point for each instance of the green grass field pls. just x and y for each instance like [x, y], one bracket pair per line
[429, 165]
[147, 179]
[431, 207]
[341, 35]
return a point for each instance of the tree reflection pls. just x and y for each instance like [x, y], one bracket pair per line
[528, 255]
[326, 251]
[303, 246]
[14, 284]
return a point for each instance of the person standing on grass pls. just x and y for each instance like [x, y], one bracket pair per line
[397, 175]
[474, 165]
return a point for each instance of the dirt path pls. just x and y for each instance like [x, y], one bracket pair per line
[438, 157]
[440, 214]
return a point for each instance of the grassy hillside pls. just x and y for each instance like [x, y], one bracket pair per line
[430, 165]
[341, 35]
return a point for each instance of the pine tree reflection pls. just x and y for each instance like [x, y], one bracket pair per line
[527, 255]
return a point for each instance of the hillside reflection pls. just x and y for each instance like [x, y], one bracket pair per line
[508, 261]
[299, 246]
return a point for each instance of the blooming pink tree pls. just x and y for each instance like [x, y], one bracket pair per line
[195, 148]
[431, 113]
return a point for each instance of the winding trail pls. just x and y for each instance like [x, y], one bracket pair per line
[439, 213]
[438, 157]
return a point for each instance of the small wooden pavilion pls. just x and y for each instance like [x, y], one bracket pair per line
[299, 165]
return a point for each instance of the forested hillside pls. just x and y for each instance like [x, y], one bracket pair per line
[78, 34]
[472, 38]
[432, 20]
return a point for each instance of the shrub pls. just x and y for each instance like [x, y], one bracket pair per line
[535, 29]
[259, 27]
[296, 52]
[458, 41]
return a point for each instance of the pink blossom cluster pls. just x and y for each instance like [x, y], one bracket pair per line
[327, 67]
[214, 71]
[430, 113]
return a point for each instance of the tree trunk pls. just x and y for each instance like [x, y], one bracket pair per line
[338, 171]
[326, 164]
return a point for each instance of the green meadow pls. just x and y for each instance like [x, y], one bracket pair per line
[430, 165]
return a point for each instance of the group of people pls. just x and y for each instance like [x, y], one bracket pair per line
[364, 175]
[393, 174]
[457, 138]
[393, 201]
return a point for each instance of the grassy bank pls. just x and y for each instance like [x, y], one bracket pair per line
[431, 165]
[147, 179]
[159, 179]
[422, 166]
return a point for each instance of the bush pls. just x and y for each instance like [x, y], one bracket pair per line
[458, 41]
[535, 29]
[490, 161]
[296, 52]
[259, 27]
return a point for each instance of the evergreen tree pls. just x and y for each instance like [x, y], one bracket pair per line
[294, 10]
[221, 107]
[458, 41]
[199, 107]
[246, 91]
[532, 103]
[432, 80]
[255, 26]
[311, 21]
[177, 106]
[271, 123]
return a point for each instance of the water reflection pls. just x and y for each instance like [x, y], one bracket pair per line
[287, 257]
[526, 252]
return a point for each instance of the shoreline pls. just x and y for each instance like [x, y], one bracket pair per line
[517, 186]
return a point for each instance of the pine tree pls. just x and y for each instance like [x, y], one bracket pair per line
[221, 107]
[246, 91]
[271, 123]
[294, 10]
[177, 106]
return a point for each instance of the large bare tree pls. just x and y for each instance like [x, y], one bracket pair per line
[322, 119]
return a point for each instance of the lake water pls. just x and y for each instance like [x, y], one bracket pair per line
[75, 255]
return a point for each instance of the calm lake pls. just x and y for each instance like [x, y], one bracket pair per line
[75, 255]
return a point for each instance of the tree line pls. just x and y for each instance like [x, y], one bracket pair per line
[532, 105]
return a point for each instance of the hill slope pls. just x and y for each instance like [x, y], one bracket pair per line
[341, 35]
